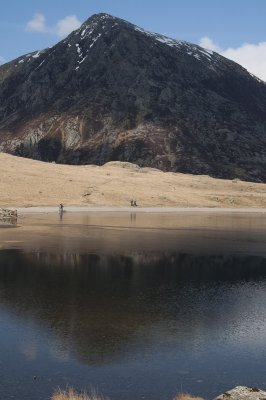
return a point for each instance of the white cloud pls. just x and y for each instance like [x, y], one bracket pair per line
[37, 24]
[250, 56]
[2, 60]
[67, 25]
[209, 44]
[62, 28]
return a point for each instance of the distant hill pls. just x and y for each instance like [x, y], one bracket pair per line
[112, 91]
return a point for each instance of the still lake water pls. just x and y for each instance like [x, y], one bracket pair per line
[137, 306]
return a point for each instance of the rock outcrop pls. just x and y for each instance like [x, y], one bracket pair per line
[243, 393]
[8, 217]
[112, 91]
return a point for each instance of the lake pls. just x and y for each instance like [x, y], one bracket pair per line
[134, 305]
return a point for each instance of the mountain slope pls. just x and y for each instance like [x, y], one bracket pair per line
[111, 91]
[115, 184]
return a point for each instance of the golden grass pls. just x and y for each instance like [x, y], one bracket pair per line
[25, 182]
[71, 394]
[186, 396]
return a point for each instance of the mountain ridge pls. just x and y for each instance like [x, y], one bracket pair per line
[113, 91]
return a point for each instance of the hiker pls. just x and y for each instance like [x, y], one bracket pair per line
[61, 208]
[132, 203]
[135, 203]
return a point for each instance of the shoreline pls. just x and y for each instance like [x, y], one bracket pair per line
[113, 229]
[160, 210]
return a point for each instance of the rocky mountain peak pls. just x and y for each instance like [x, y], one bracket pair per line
[113, 91]
[99, 23]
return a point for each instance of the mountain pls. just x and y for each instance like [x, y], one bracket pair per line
[112, 91]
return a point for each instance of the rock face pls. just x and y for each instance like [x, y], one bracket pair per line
[243, 393]
[112, 91]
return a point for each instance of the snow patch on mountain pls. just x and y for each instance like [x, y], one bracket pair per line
[95, 40]
[37, 54]
[78, 50]
[192, 50]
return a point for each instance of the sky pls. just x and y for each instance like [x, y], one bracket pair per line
[233, 28]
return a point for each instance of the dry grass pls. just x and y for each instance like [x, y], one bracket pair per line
[186, 396]
[25, 183]
[70, 394]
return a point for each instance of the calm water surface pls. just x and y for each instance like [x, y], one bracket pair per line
[136, 306]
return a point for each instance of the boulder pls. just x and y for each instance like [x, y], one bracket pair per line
[243, 393]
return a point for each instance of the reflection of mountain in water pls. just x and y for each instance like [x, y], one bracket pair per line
[101, 307]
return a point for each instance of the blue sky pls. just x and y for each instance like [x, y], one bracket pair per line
[235, 28]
